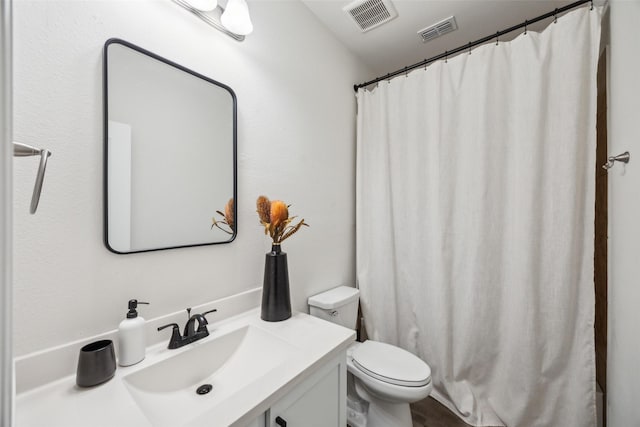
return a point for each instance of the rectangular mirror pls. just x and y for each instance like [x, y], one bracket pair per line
[170, 153]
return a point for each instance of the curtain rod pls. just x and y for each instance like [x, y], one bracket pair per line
[470, 45]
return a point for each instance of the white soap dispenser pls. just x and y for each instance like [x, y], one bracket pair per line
[131, 338]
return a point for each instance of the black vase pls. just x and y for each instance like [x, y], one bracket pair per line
[276, 301]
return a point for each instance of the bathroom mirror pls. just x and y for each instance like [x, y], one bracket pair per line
[169, 151]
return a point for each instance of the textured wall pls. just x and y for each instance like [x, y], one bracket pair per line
[296, 142]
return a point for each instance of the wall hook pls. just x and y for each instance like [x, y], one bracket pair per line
[624, 158]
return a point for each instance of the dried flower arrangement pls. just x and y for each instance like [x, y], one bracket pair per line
[274, 216]
[227, 218]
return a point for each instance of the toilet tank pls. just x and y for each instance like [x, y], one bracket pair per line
[338, 305]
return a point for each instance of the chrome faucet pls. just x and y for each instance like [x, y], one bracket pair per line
[191, 334]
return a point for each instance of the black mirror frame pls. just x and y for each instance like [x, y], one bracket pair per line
[105, 118]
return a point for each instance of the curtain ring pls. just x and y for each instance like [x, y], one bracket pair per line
[469, 48]
[388, 79]
[591, 5]
[525, 26]
[446, 56]
[406, 73]
[497, 34]
[425, 64]
[555, 16]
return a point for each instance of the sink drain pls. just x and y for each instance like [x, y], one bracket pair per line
[204, 389]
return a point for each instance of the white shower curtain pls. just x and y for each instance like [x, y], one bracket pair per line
[475, 224]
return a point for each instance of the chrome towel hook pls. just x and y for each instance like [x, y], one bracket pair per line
[624, 158]
[23, 150]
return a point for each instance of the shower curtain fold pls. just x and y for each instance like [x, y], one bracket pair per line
[475, 224]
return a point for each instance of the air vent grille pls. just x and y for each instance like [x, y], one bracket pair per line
[436, 30]
[369, 14]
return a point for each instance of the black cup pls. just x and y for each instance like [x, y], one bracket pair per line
[96, 363]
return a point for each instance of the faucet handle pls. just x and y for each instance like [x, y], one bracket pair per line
[175, 325]
[174, 341]
[203, 322]
[209, 312]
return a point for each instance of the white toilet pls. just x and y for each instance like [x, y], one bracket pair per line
[385, 377]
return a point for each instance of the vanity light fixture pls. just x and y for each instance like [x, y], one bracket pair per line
[236, 17]
[233, 20]
[203, 5]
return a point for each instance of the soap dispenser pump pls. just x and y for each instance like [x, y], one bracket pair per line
[131, 338]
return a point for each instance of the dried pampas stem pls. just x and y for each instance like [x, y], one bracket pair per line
[293, 229]
[227, 220]
[264, 209]
[274, 217]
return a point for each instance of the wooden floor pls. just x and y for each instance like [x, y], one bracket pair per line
[430, 413]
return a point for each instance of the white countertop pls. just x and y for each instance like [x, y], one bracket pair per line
[62, 403]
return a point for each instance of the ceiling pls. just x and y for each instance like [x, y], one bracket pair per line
[396, 44]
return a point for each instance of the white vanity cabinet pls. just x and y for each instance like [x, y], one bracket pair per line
[318, 401]
[258, 422]
[304, 385]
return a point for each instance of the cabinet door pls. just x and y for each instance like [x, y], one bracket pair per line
[258, 422]
[317, 402]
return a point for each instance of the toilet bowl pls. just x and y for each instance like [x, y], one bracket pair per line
[388, 378]
[384, 376]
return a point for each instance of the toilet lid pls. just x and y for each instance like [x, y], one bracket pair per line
[391, 364]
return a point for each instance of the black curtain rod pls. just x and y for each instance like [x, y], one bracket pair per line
[470, 45]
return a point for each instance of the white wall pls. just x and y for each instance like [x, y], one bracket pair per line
[296, 142]
[623, 375]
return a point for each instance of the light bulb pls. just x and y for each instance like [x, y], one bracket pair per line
[203, 5]
[236, 19]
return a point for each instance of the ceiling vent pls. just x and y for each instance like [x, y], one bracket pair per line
[369, 14]
[436, 30]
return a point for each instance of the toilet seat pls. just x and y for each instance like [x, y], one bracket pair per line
[391, 364]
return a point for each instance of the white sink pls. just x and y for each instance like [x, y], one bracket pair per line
[166, 390]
